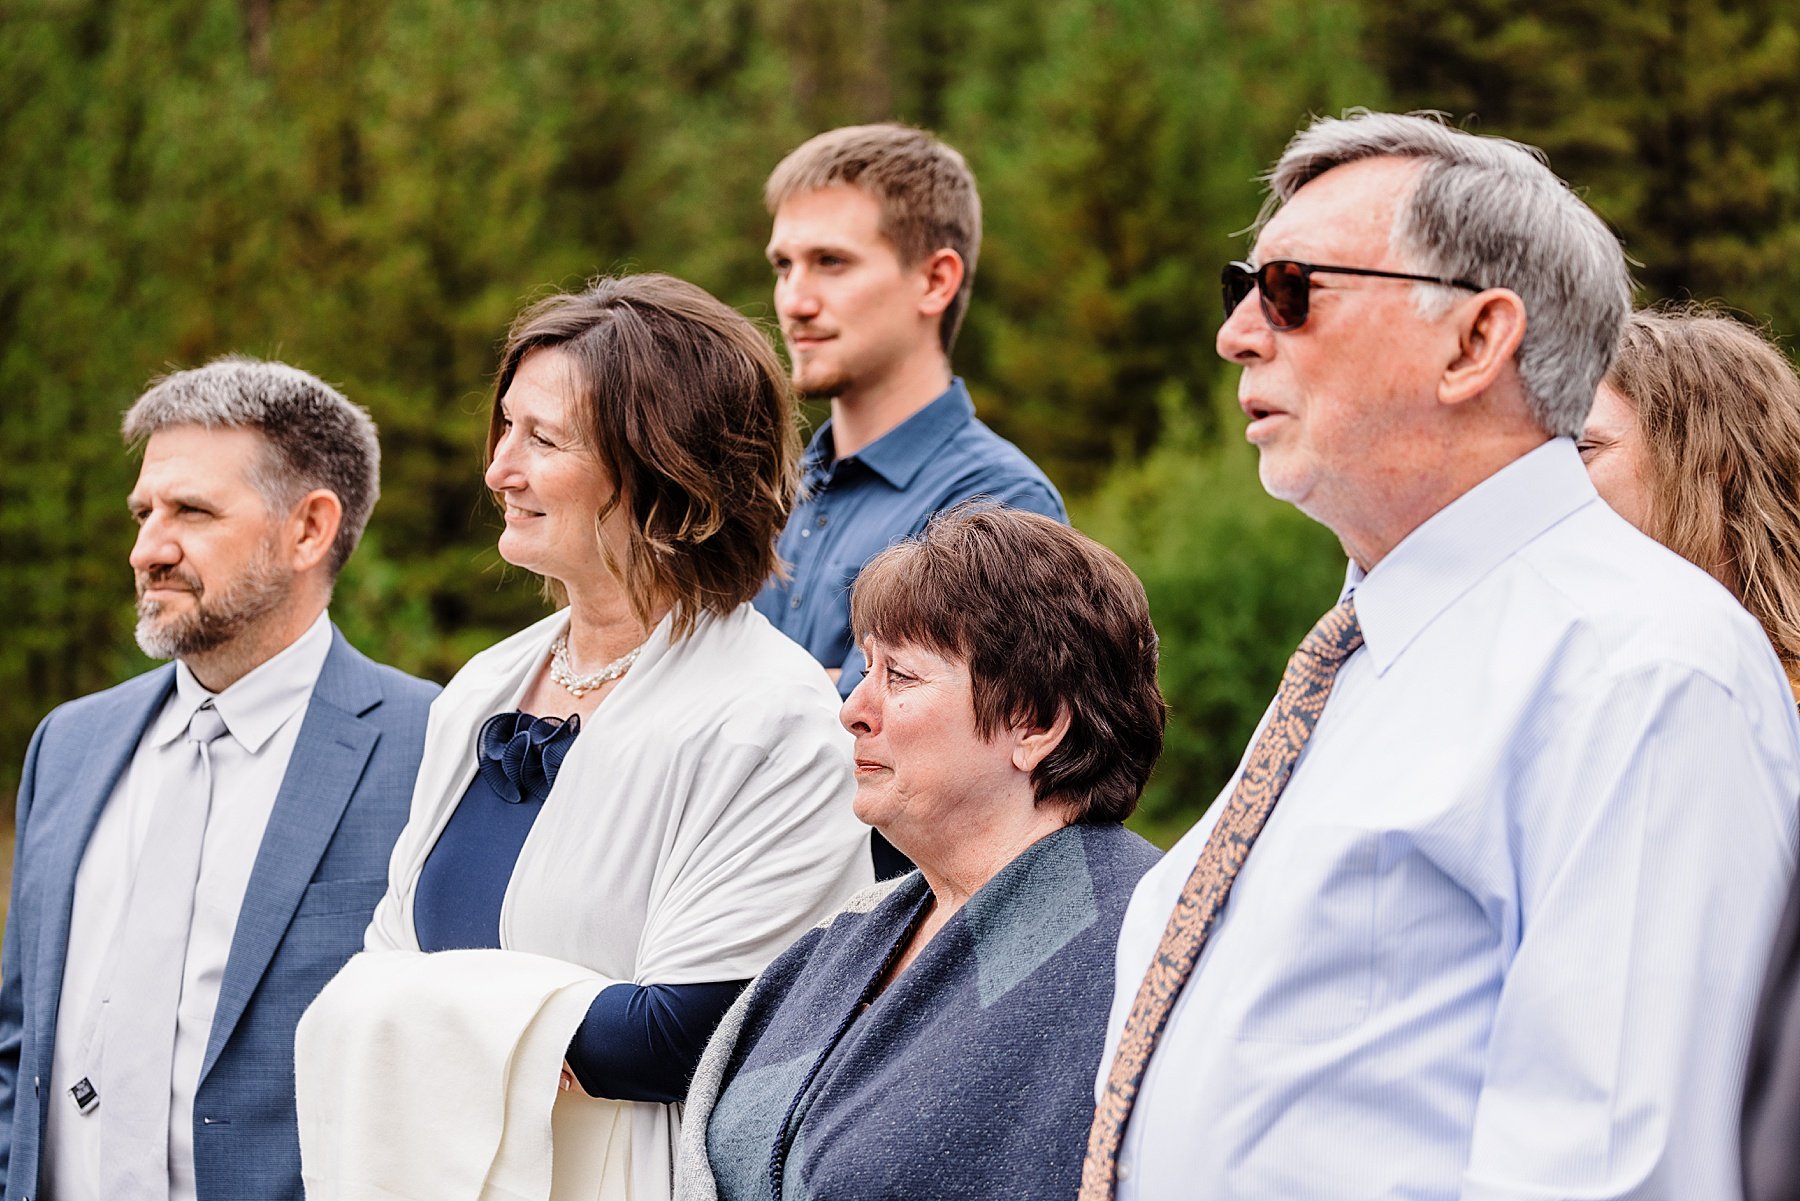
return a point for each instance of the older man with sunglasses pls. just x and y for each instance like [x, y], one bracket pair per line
[1483, 913]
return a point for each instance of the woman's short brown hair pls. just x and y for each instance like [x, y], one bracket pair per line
[1719, 408]
[689, 409]
[1048, 621]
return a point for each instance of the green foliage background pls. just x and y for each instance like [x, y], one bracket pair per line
[372, 189]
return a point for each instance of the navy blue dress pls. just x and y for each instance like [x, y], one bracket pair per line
[638, 1042]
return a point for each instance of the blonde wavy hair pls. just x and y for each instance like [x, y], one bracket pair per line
[1718, 404]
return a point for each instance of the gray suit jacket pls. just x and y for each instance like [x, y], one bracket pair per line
[321, 868]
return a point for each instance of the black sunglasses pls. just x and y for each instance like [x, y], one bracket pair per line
[1286, 287]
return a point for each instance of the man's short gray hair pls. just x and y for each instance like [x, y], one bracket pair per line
[1490, 210]
[313, 436]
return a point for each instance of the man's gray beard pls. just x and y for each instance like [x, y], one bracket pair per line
[210, 624]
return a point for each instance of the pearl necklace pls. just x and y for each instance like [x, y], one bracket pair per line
[578, 686]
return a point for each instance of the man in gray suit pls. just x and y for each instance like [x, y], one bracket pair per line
[200, 848]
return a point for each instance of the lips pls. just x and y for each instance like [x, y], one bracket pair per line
[166, 582]
[1256, 408]
[1263, 417]
[806, 339]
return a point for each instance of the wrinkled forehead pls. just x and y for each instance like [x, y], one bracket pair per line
[1343, 216]
[192, 459]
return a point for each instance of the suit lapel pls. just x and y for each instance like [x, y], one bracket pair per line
[113, 737]
[330, 753]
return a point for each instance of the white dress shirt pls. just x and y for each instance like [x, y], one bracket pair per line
[1502, 935]
[263, 712]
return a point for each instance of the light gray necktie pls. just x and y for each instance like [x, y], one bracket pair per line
[138, 1047]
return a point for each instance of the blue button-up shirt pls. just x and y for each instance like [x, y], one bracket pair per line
[1502, 935]
[855, 507]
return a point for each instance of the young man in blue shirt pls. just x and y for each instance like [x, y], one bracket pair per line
[876, 232]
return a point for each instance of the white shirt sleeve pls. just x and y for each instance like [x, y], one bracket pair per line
[1654, 853]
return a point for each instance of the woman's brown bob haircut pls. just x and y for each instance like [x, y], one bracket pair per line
[1719, 408]
[1048, 620]
[687, 407]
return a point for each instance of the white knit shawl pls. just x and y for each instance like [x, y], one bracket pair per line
[700, 823]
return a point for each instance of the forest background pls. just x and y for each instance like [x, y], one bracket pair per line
[370, 189]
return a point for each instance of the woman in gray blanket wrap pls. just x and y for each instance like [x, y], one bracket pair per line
[939, 1037]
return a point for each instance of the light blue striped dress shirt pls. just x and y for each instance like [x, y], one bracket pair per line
[1502, 935]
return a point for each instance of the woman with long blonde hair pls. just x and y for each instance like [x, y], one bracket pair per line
[1695, 439]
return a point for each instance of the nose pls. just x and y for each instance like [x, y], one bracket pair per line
[154, 546]
[795, 297]
[502, 474]
[860, 714]
[1245, 337]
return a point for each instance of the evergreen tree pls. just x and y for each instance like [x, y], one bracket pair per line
[1119, 155]
[1675, 119]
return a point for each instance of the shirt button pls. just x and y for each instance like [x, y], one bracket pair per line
[821, 522]
[794, 604]
[1124, 1170]
[806, 533]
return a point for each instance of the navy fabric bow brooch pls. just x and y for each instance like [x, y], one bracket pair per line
[520, 754]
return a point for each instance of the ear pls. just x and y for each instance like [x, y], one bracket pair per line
[312, 527]
[1489, 328]
[942, 272]
[1032, 744]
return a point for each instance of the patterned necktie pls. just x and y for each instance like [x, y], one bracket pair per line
[1305, 685]
[138, 1048]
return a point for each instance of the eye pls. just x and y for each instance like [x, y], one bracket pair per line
[780, 265]
[1586, 448]
[832, 260]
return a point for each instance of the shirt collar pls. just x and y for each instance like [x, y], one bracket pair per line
[1458, 546]
[261, 702]
[899, 455]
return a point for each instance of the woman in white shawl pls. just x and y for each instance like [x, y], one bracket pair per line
[640, 800]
